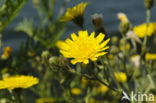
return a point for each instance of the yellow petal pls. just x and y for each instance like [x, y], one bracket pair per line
[73, 36]
[100, 54]
[86, 61]
[100, 37]
[92, 35]
[62, 45]
[104, 48]
[94, 59]
[83, 34]
[104, 43]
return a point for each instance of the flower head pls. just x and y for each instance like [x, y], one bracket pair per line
[83, 47]
[6, 53]
[140, 30]
[20, 81]
[100, 88]
[149, 3]
[149, 56]
[45, 100]
[120, 77]
[76, 91]
[75, 14]
[127, 45]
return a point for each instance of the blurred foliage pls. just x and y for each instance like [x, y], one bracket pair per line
[124, 69]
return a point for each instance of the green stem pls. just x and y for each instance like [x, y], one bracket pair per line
[0, 41]
[145, 40]
[107, 84]
[17, 94]
[95, 78]
[134, 44]
[124, 52]
[148, 12]
[111, 71]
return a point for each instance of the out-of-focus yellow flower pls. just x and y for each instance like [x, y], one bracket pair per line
[75, 14]
[83, 47]
[6, 53]
[110, 56]
[150, 56]
[120, 77]
[100, 88]
[76, 91]
[128, 46]
[20, 81]
[84, 80]
[45, 100]
[114, 40]
[36, 2]
[140, 30]
[122, 17]
[92, 100]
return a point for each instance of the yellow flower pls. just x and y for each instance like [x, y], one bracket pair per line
[83, 47]
[45, 100]
[127, 47]
[100, 88]
[120, 77]
[20, 81]
[150, 56]
[84, 80]
[6, 53]
[75, 14]
[76, 11]
[92, 100]
[110, 56]
[141, 30]
[76, 91]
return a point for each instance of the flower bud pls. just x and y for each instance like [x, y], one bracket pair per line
[4, 100]
[149, 4]
[3, 7]
[53, 60]
[98, 23]
[125, 25]
[57, 63]
[45, 54]
[114, 50]
[114, 40]
[7, 52]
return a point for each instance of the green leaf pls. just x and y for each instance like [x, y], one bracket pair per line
[9, 10]
[26, 26]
